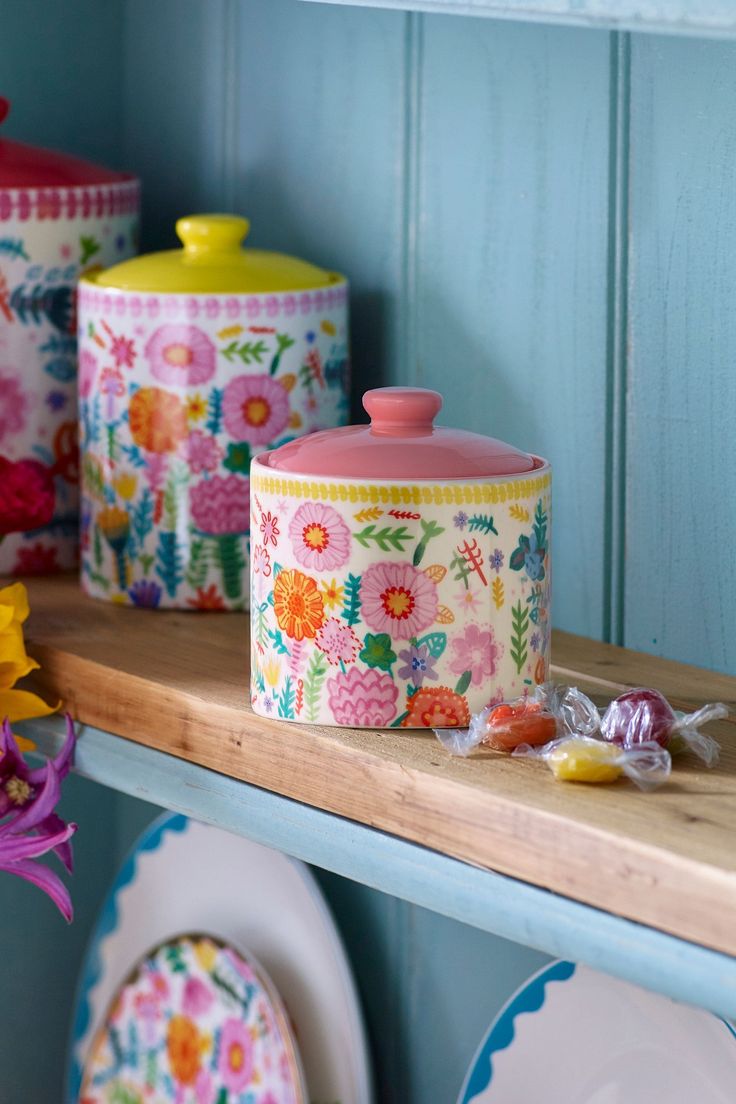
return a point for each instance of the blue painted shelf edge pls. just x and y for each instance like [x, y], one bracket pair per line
[709, 18]
[492, 902]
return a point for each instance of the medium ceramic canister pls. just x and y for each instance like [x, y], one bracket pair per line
[192, 361]
[400, 571]
[59, 217]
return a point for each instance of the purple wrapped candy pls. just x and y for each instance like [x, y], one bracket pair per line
[644, 716]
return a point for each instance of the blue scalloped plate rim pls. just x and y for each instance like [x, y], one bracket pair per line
[149, 840]
[530, 997]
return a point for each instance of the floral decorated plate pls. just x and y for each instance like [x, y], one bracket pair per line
[183, 876]
[573, 1036]
[195, 1019]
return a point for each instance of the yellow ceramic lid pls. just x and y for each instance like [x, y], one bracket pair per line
[214, 262]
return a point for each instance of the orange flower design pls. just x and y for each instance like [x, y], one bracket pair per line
[184, 1046]
[436, 707]
[540, 670]
[207, 599]
[298, 605]
[158, 419]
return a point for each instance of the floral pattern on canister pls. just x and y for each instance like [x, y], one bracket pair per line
[48, 238]
[172, 409]
[196, 1024]
[397, 605]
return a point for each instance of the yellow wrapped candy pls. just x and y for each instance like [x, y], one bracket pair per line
[583, 760]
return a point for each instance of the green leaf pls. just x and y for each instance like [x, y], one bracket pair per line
[516, 562]
[313, 681]
[463, 682]
[387, 539]
[378, 651]
[238, 457]
[352, 603]
[482, 523]
[436, 642]
[430, 529]
[520, 625]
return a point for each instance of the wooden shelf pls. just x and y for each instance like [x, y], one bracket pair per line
[178, 682]
[709, 18]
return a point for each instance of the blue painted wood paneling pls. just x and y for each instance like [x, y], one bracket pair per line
[680, 598]
[511, 264]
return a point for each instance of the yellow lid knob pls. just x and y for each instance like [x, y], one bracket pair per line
[205, 235]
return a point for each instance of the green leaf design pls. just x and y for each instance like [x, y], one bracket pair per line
[463, 682]
[248, 352]
[436, 643]
[197, 567]
[540, 526]
[313, 681]
[430, 529]
[277, 639]
[238, 457]
[387, 539]
[520, 624]
[482, 523]
[463, 570]
[260, 627]
[378, 652]
[286, 698]
[351, 606]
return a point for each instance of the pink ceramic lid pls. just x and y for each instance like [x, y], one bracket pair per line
[401, 442]
[23, 166]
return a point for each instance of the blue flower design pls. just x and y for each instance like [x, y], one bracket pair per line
[535, 641]
[460, 519]
[145, 593]
[418, 664]
[57, 400]
[496, 559]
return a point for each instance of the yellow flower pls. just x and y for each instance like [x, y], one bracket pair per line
[126, 484]
[271, 671]
[206, 953]
[332, 594]
[16, 705]
[196, 408]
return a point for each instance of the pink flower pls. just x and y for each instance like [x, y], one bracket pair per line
[14, 406]
[338, 641]
[202, 452]
[87, 372]
[476, 651]
[255, 409]
[27, 495]
[362, 697]
[122, 351]
[261, 560]
[204, 1088]
[236, 1055]
[197, 997]
[221, 504]
[181, 354]
[270, 528]
[320, 537]
[398, 599]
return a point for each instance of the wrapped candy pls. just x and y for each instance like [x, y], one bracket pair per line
[585, 759]
[550, 712]
[644, 716]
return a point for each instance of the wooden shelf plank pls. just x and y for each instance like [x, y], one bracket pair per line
[492, 902]
[178, 682]
[708, 18]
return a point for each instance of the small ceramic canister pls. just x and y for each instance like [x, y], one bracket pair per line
[400, 571]
[191, 362]
[59, 217]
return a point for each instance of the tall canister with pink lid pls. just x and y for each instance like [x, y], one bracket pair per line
[400, 571]
[60, 217]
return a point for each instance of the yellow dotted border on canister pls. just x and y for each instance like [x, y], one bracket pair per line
[430, 494]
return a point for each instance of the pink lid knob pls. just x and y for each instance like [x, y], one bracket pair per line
[402, 411]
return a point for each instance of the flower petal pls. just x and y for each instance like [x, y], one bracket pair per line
[43, 805]
[22, 705]
[50, 826]
[16, 596]
[63, 761]
[45, 879]
[16, 848]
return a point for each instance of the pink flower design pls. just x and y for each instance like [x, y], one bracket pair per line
[197, 997]
[398, 599]
[338, 641]
[236, 1055]
[221, 504]
[122, 351]
[270, 528]
[476, 651]
[181, 354]
[204, 1088]
[27, 495]
[362, 697]
[14, 406]
[202, 452]
[255, 409]
[86, 372]
[261, 560]
[320, 537]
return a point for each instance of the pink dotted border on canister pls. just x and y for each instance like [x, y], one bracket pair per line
[252, 307]
[98, 201]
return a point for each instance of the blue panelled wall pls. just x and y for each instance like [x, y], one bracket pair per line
[541, 222]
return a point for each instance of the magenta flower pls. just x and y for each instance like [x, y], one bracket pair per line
[320, 537]
[398, 599]
[182, 355]
[202, 452]
[236, 1055]
[476, 651]
[221, 504]
[255, 409]
[362, 697]
[197, 997]
[86, 372]
[338, 641]
[14, 406]
[29, 827]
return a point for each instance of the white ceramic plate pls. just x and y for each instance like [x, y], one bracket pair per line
[186, 876]
[574, 1036]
